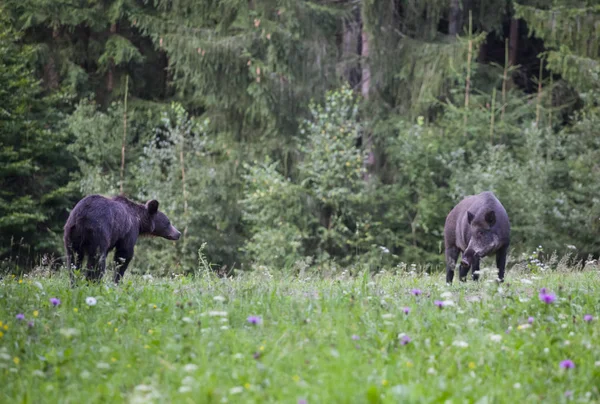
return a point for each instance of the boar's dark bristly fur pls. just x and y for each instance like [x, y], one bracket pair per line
[98, 224]
[477, 227]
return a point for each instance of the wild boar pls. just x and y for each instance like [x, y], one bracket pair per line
[477, 227]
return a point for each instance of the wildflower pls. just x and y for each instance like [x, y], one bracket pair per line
[91, 301]
[431, 371]
[471, 365]
[20, 316]
[588, 317]
[35, 313]
[302, 401]
[75, 309]
[405, 340]
[5, 327]
[406, 310]
[409, 364]
[460, 344]
[439, 303]
[190, 367]
[384, 382]
[530, 320]
[567, 364]
[254, 319]
[355, 337]
[517, 385]
[219, 299]
[416, 292]
[16, 360]
[296, 378]
[247, 385]
[523, 326]
[30, 324]
[568, 394]
[496, 337]
[55, 301]
[546, 297]
[1, 334]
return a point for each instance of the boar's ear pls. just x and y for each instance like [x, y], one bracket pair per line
[470, 217]
[152, 206]
[490, 217]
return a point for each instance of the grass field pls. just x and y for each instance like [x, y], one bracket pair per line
[337, 340]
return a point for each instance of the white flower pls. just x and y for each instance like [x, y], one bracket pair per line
[473, 320]
[188, 380]
[496, 337]
[446, 294]
[517, 385]
[185, 389]
[447, 303]
[186, 320]
[219, 299]
[526, 281]
[431, 371]
[102, 365]
[91, 301]
[217, 313]
[236, 390]
[597, 363]
[460, 344]
[387, 315]
[190, 367]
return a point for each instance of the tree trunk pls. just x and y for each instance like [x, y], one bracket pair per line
[350, 48]
[514, 42]
[454, 18]
[366, 71]
[50, 73]
[111, 65]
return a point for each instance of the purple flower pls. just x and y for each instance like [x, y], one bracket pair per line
[439, 303]
[588, 317]
[405, 340]
[568, 394]
[30, 324]
[254, 320]
[355, 337]
[546, 297]
[567, 364]
[20, 316]
[302, 401]
[406, 310]
[416, 292]
[55, 301]
[530, 320]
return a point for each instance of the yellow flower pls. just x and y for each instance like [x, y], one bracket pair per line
[109, 323]
[129, 365]
[16, 360]
[113, 359]
[1, 334]
[262, 348]
[150, 331]
[296, 378]
[146, 346]
[20, 280]
[471, 365]
[409, 364]
[154, 306]
[5, 327]
[35, 313]
[384, 382]
[75, 309]
[116, 329]
[247, 385]
[0, 323]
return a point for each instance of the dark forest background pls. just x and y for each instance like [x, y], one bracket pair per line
[300, 133]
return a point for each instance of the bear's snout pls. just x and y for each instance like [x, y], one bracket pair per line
[174, 234]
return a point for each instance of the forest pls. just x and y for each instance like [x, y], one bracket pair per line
[300, 133]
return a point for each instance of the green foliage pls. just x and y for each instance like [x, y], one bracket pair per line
[35, 165]
[323, 210]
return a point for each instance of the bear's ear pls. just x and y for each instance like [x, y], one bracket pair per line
[470, 217]
[152, 206]
[490, 217]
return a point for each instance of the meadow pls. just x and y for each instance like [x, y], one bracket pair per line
[270, 337]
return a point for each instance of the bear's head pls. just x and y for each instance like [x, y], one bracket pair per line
[160, 224]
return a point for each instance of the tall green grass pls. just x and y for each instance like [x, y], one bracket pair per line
[334, 340]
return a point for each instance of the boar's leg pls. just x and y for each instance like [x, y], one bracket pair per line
[451, 257]
[122, 260]
[501, 262]
[464, 270]
[475, 268]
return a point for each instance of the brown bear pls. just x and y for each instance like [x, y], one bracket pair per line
[98, 224]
